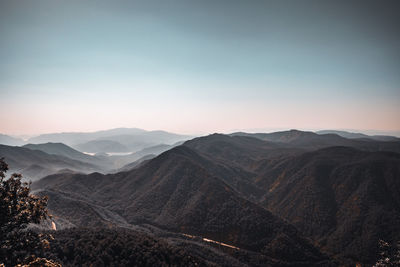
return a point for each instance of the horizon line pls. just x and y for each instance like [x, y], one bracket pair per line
[370, 132]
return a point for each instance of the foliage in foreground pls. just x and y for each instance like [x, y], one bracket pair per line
[116, 247]
[389, 255]
[18, 208]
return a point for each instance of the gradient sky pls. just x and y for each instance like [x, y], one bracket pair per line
[199, 66]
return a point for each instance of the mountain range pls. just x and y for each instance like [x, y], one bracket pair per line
[35, 161]
[344, 199]
[114, 140]
[311, 140]
[11, 141]
[285, 198]
[175, 192]
[289, 198]
[35, 164]
[352, 135]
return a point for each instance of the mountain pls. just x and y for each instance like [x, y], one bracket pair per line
[120, 161]
[298, 194]
[343, 198]
[132, 138]
[136, 163]
[153, 150]
[312, 141]
[10, 141]
[136, 142]
[35, 164]
[300, 138]
[351, 135]
[74, 211]
[175, 192]
[59, 149]
[282, 199]
[344, 134]
[241, 151]
[102, 163]
[74, 138]
[98, 146]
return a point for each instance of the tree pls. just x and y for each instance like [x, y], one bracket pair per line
[389, 255]
[18, 208]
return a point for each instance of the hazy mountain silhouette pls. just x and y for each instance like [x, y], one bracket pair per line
[132, 138]
[98, 146]
[102, 163]
[301, 138]
[10, 141]
[153, 150]
[359, 135]
[120, 161]
[35, 164]
[312, 141]
[74, 138]
[139, 141]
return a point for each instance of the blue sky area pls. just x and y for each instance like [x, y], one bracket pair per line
[199, 66]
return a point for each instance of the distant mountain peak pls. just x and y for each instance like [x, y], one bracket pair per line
[10, 141]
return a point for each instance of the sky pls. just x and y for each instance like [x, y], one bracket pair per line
[199, 66]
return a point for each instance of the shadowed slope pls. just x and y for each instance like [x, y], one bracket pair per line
[174, 191]
[215, 186]
[343, 198]
[241, 151]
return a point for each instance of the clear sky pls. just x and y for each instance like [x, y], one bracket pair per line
[198, 66]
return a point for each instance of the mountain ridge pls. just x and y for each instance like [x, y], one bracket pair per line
[188, 199]
[226, 188]
[34, 164]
